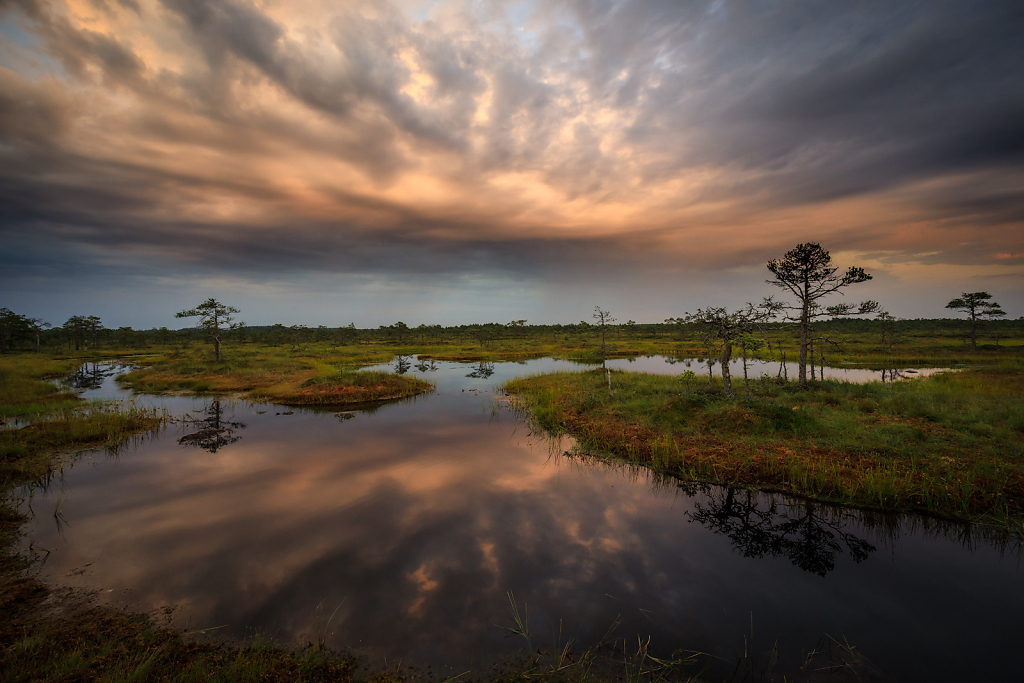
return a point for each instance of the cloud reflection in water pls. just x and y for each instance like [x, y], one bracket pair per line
[418, 518]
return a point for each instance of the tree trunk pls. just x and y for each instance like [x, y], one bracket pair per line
[974, 329]
[216, 348]
[726, 356]
[805, 323]
[746, 380]
[810, 354]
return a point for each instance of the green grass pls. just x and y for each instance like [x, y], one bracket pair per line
[352, 387]
[24, 387]
[277, 375]
[951, 444]
[26, 454]
[57, 420]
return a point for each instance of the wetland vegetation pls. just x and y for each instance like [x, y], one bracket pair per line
[49, 634]
[261, 376]
[56, 420]
[949, 445]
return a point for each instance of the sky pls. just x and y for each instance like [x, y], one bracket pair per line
[464, 161]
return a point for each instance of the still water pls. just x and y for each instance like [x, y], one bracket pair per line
[412, 522]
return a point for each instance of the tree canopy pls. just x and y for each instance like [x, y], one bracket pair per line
[213, 317]
[806, 271]
[977, 305]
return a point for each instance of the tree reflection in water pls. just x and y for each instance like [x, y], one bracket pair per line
[214, 432]
[761, 524]
[402, 365]
[809, 534]
[85, 377]
[482, 370]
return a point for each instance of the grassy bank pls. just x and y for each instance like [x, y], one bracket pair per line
[25, 387]
[950, 445]
[252, 363]
[276, 375]
[57, 419]
[50, 637]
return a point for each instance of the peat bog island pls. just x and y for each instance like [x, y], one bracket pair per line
[424, 342]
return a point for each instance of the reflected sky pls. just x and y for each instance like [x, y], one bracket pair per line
[414, 520]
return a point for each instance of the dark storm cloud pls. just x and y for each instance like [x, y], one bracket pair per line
[774, 106]
[828, 99]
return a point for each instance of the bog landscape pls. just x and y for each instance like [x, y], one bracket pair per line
[511, 474]
[500, 341]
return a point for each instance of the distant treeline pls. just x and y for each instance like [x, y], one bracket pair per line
[81, 333]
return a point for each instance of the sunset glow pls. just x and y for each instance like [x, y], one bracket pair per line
[327, 162]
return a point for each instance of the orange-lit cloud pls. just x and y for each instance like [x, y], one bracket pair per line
[512, 140]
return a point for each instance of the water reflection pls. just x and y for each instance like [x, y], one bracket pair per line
[891, 375]
[91, 375]
[766, 368]
[418, 517]
[482, 370]
[402, 364]
[213, 431]
[809, 534]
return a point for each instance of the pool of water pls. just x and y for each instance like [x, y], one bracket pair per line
[411, 523]
[757, 368]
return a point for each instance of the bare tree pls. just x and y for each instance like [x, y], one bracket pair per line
[977, 306]
[729, 329]
[806, 271]
[604, 319]
[214, 317]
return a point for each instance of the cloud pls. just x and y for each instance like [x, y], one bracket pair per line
[523, 139]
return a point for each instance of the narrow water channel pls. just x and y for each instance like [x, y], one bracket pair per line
[411, 523]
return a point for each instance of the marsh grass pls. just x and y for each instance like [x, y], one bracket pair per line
[951, 444]
[634, 659]
[61, 636]
[85, 642]
[28, 453]
[58, 420]
[342, 388]
[269, 374]
[279, 371]
[24, 387]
